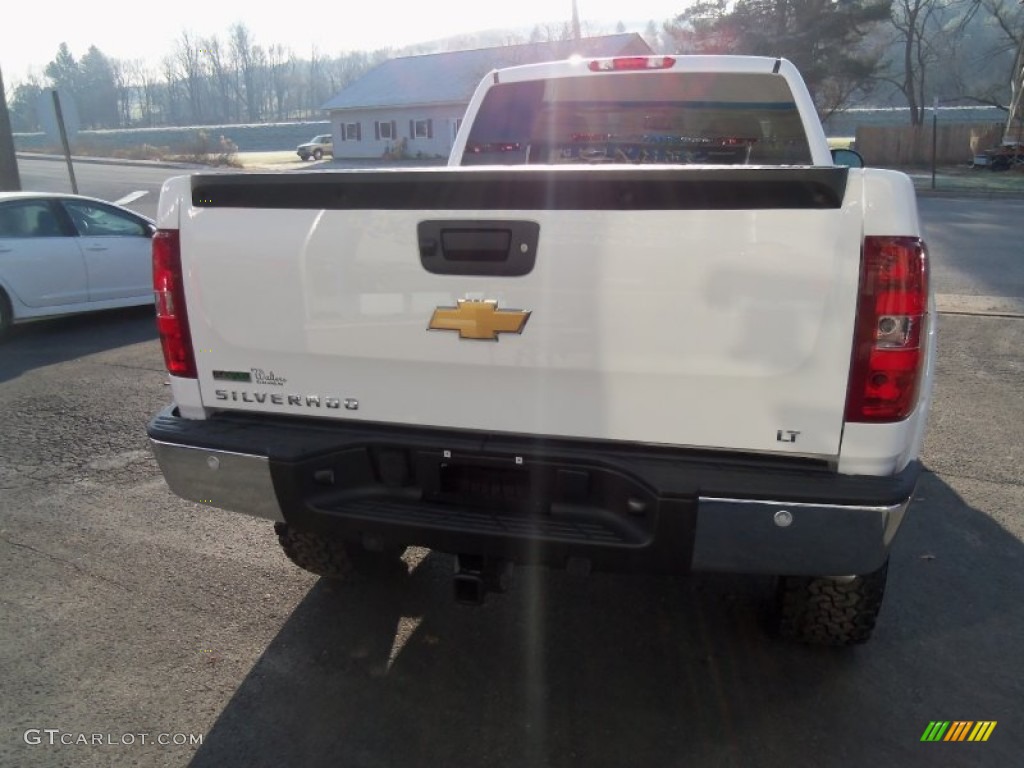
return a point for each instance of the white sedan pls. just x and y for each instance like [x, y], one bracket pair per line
[61, 254]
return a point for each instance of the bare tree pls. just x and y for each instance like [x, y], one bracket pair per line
[146, 83]
[242, 60]
[550, 33]
[1009, 17]
[281, 64]
[316, 97]
[172, 95]
[1016, 96]
[191, 57]
[123, 82]
[976, 65]
[925, 32]
[652, 36]
[261, 92]
[216, 65]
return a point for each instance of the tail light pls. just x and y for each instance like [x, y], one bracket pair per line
[891, 313]
[171, 318]
[631, 63]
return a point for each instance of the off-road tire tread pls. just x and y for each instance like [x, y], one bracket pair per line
[317, 554]
[824, 611]
[334, 558]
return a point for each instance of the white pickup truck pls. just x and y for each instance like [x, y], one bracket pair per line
[656, 326]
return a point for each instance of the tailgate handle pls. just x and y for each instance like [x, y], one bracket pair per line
[506, 248]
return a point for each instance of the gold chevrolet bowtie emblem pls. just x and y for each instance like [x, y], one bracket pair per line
[478, 320]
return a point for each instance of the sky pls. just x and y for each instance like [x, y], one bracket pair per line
[148, 30]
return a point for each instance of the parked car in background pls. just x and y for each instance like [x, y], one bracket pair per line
[316, 147]
[61, 254]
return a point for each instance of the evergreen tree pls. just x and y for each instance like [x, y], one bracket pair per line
[97, 91]
[24, 106]
[823, 38]
[63, 71]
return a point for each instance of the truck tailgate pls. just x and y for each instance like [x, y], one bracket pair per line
[704, 307]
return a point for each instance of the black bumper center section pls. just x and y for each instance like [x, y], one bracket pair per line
[541, 510]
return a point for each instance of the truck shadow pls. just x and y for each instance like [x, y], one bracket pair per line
[640, 671]
[47, 342]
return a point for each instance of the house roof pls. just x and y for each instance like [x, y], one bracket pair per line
[451, 77]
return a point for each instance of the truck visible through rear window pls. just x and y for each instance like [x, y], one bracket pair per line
[674, 118]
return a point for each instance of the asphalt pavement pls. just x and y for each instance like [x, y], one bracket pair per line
[127, 612]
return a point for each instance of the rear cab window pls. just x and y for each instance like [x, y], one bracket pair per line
[640, 118]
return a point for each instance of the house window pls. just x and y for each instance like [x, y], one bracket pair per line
[385, 130]
[421, 129]
[352, 132]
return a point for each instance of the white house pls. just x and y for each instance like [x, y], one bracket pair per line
[421, 99]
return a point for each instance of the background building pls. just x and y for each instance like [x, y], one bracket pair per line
[421, 99]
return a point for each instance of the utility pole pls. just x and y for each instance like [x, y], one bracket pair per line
[575, 21]
[59, 114]
[10, 181]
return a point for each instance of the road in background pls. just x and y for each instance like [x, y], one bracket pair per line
[102, 180]
[977, 250]
[109, 180]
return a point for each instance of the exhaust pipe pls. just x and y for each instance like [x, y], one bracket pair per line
[469, 589]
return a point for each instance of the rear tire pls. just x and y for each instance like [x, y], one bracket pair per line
[317, 154]
[335, 558]
[823, 611]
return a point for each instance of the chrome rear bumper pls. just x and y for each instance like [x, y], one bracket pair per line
[239, 482]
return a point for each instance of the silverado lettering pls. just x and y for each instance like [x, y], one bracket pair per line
[309, 401]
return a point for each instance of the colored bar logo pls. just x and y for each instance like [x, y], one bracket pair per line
[958, 730]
